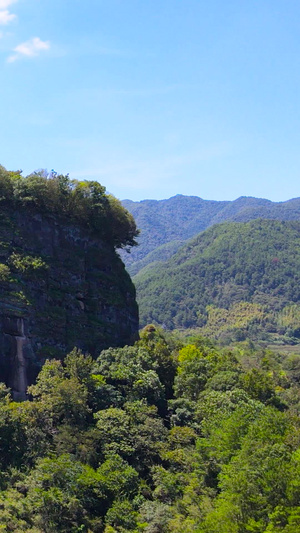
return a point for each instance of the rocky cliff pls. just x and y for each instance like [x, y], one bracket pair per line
[60, 286]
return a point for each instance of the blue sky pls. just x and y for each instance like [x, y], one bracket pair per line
[154, 97]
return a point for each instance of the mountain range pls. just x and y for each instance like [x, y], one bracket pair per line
[165, 225]
[231, 282]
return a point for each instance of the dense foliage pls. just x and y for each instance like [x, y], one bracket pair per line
[233, 281]
[169, 435]
[159, 437]
[83, 202]
[166, 224]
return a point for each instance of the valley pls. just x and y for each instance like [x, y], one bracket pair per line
[190, 425]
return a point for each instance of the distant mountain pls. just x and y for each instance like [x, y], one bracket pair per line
[234, 279]
[179, 218]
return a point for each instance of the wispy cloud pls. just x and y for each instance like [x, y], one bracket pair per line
[30, 48]
[6, 3]
[5, 15]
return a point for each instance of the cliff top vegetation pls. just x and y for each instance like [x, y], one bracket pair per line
[85, 203]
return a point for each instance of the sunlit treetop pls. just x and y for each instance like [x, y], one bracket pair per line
[83, 202]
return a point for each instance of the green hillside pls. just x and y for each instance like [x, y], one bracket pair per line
[233, 279]
[170, 434]
[166, 222]
[158, 437]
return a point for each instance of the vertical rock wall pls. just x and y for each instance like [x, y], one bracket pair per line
[64, 288]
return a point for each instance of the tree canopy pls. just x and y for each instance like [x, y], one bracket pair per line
[82, 202]
[166, 436]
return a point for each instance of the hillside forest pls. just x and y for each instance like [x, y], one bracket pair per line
[234, 281]
[163, 436]
[168, 224]
[175, 432]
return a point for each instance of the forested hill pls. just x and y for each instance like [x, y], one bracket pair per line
[172, 222]
[234, 277]
[159, 437]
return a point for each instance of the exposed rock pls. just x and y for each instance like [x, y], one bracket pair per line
[66, 288]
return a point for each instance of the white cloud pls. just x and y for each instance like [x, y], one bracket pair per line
[29, 48]
[6, 17]
[6, 3]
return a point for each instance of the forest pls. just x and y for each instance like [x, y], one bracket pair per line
[165, 436]
[150, 275]
[174, 433]
[168, 224]
[232, 282]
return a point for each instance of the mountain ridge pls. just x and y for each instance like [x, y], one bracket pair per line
[226, 271]
[182, 217]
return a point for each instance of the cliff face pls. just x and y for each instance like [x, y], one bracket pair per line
[60, 287]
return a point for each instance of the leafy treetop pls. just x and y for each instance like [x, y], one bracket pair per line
[83, 202]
